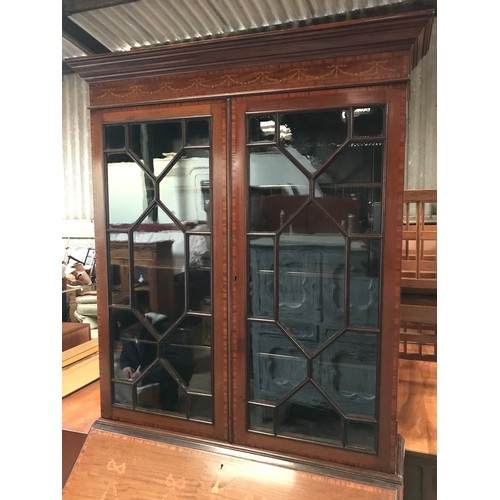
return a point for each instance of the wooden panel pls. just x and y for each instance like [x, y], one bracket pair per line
[79, 352]
[407, 32]
[72, 443]
[417, 405]
[82, 408]
[117, 465]
[80, 374]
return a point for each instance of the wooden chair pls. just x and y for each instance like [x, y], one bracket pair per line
[418, 333]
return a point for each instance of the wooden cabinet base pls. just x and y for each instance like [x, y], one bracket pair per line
[124, 462]
[80, 366]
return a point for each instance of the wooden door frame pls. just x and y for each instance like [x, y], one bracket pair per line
[217, 110]
[394, 95]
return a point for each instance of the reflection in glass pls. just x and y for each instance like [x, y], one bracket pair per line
[311, 282]
[128, 187]
[198, 132]
[313, 136]
[311, 277]
[261, 418]
[155, 287]
[277, 189]
[351, 188]
[346, 371]
[368, 121]
[160, 375]
[262, 128]
[156, 143]
[261, 277]
[161, 335]
[361, 435]
[357, 162]
[119, 275]
[181, 190]
[364, 279]
[114, 137]
[307, 415]
[278, 365]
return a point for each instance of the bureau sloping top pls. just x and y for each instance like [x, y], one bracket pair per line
[118, 465]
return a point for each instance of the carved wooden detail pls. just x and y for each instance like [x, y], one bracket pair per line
[290, 76]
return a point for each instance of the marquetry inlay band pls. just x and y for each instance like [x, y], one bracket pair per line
[289, 76]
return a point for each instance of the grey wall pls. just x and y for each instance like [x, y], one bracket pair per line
[421, 150]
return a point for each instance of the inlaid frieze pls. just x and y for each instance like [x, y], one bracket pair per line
[323, 73]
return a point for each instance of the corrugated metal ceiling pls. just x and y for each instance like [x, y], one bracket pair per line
[143, 23]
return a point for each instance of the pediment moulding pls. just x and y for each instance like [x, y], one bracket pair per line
[407, 33]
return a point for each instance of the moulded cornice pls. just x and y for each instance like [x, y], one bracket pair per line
[399, 32]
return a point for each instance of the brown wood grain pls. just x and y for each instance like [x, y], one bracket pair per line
[417, 405]
[113, 465]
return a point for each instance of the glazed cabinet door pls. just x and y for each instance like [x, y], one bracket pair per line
[315, 184]
[163, 177]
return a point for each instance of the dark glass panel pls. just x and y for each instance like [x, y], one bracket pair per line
[114, 136]
[313, 136]
[123, 394]
[356, 209]
[261, 277]
[198, 132]
[201, 355]
[156, 143]
[262, 128]
[361, 435]
[200, 272]
[311, 278]
[358, 162]
[130, 190]
[350, 189]
[346, 370]
[182, 190]
[200, 407]
[156, 269]
[364, 281]
[277, 365]
[277, 189]
[368, 121]
[119, 274]
[307, 415]
[261, 418]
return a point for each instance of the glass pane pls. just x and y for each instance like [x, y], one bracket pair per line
[157, 284]
[200, 264]
[114, 137]
[368, 121]
[201, 407]
[183, 188]
[313, 136]
[262, 128]
[361, 435]
[198, 132]
[350, 189]
[358, 162]
[261, 418]
[311, 277]
[261, 277]
[119, 272]
[277, 365]
[346, 371]
[130, 190]
[364, 280]
[160, 372]
[277, 189]
[307, 415]
[155, 144]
